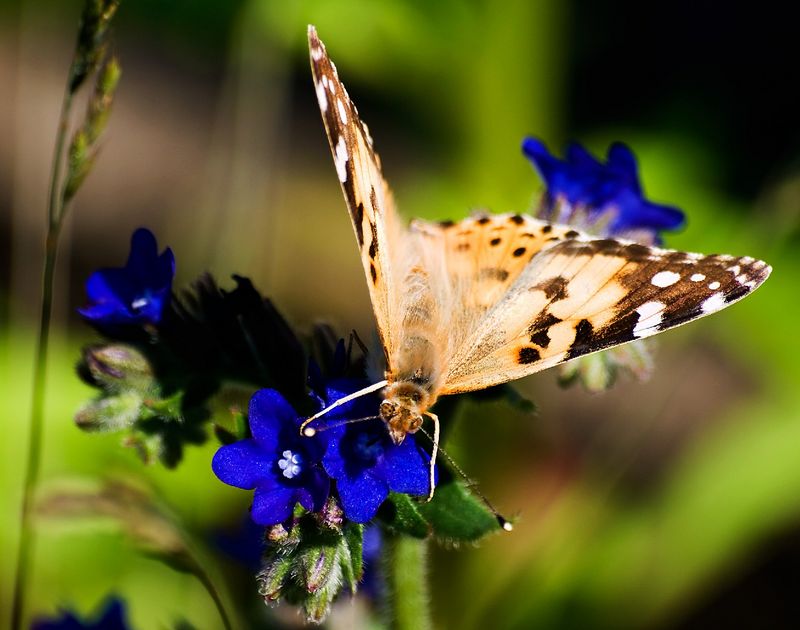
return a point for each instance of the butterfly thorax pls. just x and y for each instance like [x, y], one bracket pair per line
[402, 408]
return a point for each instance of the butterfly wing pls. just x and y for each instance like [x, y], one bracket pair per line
[375, 221]
[579, 295]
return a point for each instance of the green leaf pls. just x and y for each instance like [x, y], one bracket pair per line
[401, 515]
[456, 515]
[353, 565]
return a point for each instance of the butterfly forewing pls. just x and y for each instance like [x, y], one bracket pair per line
[582, 296]
[368, 197]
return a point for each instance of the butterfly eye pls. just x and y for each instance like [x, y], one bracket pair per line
[387, 409]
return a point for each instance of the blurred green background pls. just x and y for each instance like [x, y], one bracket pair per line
[670, 504]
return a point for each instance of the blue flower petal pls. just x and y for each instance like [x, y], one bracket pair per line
[596, 189]
[243, 464]
[136, 293]
[361, 496]
[269, 413]
[272, 506]
[110, 617]
[405, 469]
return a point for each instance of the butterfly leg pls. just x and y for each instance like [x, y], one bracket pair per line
[435, 450]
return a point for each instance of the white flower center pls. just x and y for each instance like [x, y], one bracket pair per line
[291, 464]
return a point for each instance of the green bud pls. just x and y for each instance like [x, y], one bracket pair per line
[112, 413]
[319, 565]
[92, 39]
[118, 367]
[149, 447]
[272, 577]
[81, 160]
[308, 564]
[99, 107]
[331, 516]
[598, 372]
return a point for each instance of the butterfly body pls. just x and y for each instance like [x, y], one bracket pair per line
[462, 306]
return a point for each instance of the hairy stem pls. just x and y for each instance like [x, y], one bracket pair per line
[406, 561]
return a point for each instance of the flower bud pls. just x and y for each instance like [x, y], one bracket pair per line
[118, 367]
[112, 413]
[310, 563]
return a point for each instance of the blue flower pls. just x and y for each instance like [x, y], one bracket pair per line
[136, 293]
[110, 617]
[605, 199]
[282, 466]
[364, 461]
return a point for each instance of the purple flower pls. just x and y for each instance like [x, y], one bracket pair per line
[136, 293]
[366, 464]
[282, 466]
[604, 198]
[110, 617]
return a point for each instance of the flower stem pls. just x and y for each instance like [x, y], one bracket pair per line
[205, 580]
[55, 214]
[406, 562]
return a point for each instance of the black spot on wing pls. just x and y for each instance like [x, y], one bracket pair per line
[373, 246]
[528, 355]
[516, 219]
[358, 222]
[736, 293]
[555, 289]
[541, 338]
[518, 252]
[588, 339]
[543, 322]
[374, 273]
[495, 241]
[584, 334]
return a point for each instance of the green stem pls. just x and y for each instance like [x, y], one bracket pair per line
[205, 580]
[55, 214]
[408, 606]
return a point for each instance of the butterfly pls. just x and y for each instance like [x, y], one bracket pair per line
[462, 306]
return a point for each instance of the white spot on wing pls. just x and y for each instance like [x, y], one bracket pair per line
[342, 111]
[665, 278]
[323, 100]
[714, 286]
[316, 53]
[714, 303]
[698, 277]
[340, 159]
[649, 318]
[735, 270]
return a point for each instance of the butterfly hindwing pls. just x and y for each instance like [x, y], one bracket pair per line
[581, 296]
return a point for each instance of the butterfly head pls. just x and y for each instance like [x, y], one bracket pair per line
[402, 408]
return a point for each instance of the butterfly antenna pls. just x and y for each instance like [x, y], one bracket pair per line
[310, 431]
[471, 485]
